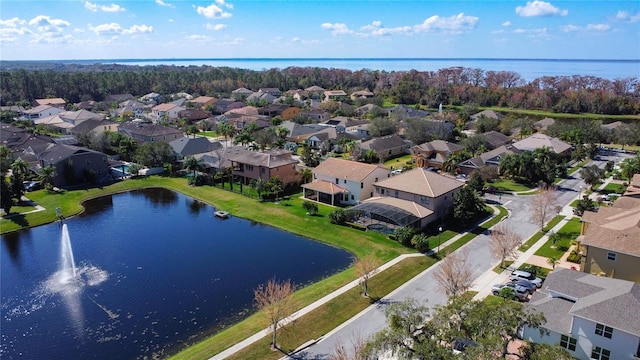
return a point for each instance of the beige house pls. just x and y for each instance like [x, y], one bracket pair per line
[433, 153]
[610, 240]
[343, 182]
[251, 165]
[334, 95]
[203, 101]
[537, 141]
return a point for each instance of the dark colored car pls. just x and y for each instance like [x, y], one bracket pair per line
[32, 185]
[531, 287]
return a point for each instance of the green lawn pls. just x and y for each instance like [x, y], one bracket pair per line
[398, 162]
[509, 185]
[538, 235]
[568, 232]
[499, 269]
[614, 188]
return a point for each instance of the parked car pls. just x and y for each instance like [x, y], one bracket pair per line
[531, 287]
[519, 292]
[460, 345]
[32, 185]
[519, 274]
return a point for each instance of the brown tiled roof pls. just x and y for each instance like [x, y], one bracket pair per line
[269, 158]
[346, 169]
[52, 101]
[538, 140]
[421, 181]
[441, 146]
[412, 207]
[325, 187]
[615, 228]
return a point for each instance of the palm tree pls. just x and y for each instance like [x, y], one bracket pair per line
[20, 167]
[260, 185]
[227, 130]
[307, 175]
[5, 158]
[275, 185]
[193, 164]
[47, 175]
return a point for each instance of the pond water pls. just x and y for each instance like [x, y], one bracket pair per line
[155, 271]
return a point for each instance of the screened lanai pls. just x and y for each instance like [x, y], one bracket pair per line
[384, 214]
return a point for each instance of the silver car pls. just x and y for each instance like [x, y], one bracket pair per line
[519, 274]
[519, 292]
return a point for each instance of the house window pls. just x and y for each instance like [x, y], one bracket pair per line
[376, 180]
[88, 162]
[382, 191]
[361, 185]
[424, 200]
[345, 181]
[104, 159]
[263, 170]
[599, 353]
[604, 330]
[397, 193]
[611, 256]
[352, 197]
[315, 176]
[567, 342]
[337, 181]
[249, 167]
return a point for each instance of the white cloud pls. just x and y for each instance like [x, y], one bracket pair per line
[589, 27]
[224, 3]
[455, 24]
[337, 28]
[519, 31]
[114, 29]
[570, 28]
[496, 32]
[598, 27]
[196, 37]
[11, 33]
[13, 22]
[105, 8]
[506, 23]
[216, 27]
[213, 11]
[90, 6]
[376, 29]
[171, 20]
[112, 8]
[625, 16]
[540, 8]
[295, 39]
[162, 3]
[46, 24]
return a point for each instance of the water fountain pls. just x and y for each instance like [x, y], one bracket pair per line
[67, 263]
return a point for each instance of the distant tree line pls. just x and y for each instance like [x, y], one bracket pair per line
[450, 86]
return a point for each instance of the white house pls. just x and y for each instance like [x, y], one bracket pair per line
[593, 317]
[343, 182]
[41, 111]
[169, 111]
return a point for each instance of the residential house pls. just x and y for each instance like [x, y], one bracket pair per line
[386, 147]
[144, 132]
[21, 141]
[151, 98]
[538, 140]
[266, 164]
[490, 114]
[343, 182]
[55, 102]
[131, 108]
[368, 109]
[96, 126]
[315, 92]
[260, 98]
[362, 94]
[240, 121]
[298, 95]
[592, 317]
[495, 139]
[434, 153]
[41, 111]
[193, 115]
[86, 105]
[610, 240]
[297, 133]
[422, 189]
[74, 164]
[543, 124]
[633, 190]
[275, 92]
[318, 115]
[489, 158]
[189, 146]
[284, 111]
[223, 105]
[166, 111]
[402, 112]
[334, 95]
[320, 139]
[240, 94]
[203, 101]
[18, 109]
[612, 126]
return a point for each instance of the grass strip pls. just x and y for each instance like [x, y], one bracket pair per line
[499, 269]
[568, 232]
[316, 323]
[502, 212]
[538, 235]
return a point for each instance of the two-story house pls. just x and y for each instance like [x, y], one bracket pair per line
[610, 240]
[149, 132]
[489, 158]
[266, 164]
[423, 189]
[592, 317]
[386, 147]
[74, 164]
[334, 95]
[343, 182]
[41, 111]
[433, 153]
[166, 111]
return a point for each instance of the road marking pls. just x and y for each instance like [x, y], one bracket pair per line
[507, 203]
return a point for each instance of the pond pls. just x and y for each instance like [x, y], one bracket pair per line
[155, 271]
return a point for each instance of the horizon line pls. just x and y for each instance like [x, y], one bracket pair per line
[325, 58]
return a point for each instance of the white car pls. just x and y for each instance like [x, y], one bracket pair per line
[519, 274]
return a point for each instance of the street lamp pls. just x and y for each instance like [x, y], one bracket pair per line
[439, 235]
[580, 197]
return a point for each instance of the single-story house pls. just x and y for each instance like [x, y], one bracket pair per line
[433, 153]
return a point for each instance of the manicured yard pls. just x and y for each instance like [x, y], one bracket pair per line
[614, 188]
[538, 235]
[567, 233]
[509, 185]
[398, 162]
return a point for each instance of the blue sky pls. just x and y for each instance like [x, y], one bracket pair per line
[113, 29]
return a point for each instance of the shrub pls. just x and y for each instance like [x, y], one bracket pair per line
[337, 217]
[574, 257]
[420, 242]
[563, 248]
[404, 234]
[310, 207]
